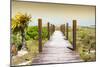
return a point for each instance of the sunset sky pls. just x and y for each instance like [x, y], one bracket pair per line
[56, 13]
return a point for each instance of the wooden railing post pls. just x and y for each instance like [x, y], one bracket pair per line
[53, 28]
[48, 30]
[74, 34]
[40, 34]
[61, 28]
[67, 31]
[64, 29]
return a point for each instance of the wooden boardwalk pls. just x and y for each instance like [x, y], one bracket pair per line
[56, 51]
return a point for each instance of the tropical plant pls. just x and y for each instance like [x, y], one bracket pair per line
[19, 24]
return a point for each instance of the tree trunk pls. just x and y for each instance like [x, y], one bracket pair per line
[23, 40]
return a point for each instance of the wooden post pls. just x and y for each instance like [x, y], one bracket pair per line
[74, 34]
[61, 28]
[48, 30]
[67, 31]
[53, 28]
[64, 29]
[40, 34]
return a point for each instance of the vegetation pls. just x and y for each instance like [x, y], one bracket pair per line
[85, 42]
[31, 43]
[19, 24]
[24, 36]
[32, 46]
[32, 32]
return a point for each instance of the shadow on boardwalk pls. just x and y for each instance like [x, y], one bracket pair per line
[56, 51]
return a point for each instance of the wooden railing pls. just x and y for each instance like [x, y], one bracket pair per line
[50, 29]
[65, 30]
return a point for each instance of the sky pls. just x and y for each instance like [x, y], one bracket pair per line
[56, 13]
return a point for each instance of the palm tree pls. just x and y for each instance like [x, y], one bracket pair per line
[19, 24]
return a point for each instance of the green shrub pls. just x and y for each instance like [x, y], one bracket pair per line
[16, 38]
[32, 32]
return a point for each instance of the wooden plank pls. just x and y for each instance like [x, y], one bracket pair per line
[55, 51]
[48, 24]
[40, 34]
[74, 34]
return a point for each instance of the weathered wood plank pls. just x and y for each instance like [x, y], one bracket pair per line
[56, 51]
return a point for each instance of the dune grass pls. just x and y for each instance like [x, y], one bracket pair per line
[85, 43]
[32, 48]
